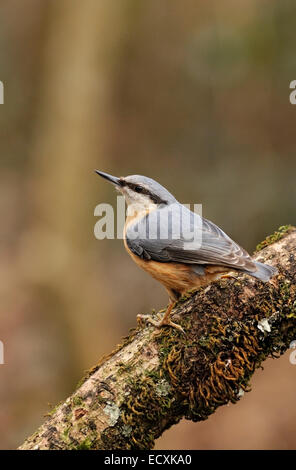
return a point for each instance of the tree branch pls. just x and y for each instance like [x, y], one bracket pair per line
[156, 377]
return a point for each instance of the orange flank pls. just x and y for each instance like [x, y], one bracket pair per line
[177, 278]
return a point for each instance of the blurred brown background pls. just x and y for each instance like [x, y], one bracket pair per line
[194, 94]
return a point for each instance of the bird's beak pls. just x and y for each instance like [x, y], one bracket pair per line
[112, 179]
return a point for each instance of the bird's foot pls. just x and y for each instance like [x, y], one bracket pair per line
[228, 276]
[158, 324]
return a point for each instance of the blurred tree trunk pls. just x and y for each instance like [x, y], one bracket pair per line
[81, 47]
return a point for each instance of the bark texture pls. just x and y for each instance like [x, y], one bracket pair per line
[156, 377]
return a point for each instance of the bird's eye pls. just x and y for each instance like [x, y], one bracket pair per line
[138, 189]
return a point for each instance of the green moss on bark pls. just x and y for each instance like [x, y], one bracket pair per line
[212, 364]
[277, 235]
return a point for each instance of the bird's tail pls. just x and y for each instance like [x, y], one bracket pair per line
[264, 272]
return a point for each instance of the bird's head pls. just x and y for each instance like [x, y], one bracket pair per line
[140, 191]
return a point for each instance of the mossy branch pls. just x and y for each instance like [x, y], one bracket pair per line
[155, 378]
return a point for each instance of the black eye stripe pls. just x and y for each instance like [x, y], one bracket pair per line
[122, 182]
[140, 189]
[137, 188]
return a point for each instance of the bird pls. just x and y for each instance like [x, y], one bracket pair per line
[179, 248]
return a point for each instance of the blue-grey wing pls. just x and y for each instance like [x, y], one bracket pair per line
[165, 236]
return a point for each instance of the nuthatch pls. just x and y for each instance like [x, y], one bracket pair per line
[199, 254]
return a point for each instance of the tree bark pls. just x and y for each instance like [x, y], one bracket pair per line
[156, 377]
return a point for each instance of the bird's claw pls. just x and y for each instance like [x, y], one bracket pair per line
[161, 323]
[228, 276]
